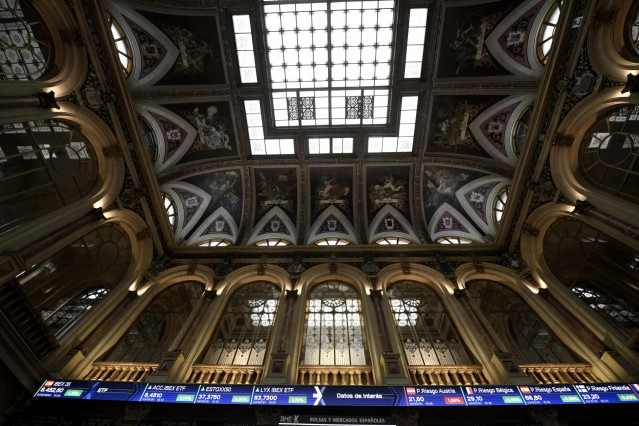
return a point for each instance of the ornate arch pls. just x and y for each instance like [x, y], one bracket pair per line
[532, 252]
[607, 47]
[68, 65]
[564, 157]
[110, 167]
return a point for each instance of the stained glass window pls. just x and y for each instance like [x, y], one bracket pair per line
[159, 324]
[609, 154]
[44, 165]
[25, 48]
[633, 31]
[598, 269]
[69, 310]
[243, 335]
[427, 334]
[517, 325]
[330, 52]
[334, 331]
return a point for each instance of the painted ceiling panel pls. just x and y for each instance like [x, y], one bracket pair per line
[331, 186]
[200, 58]
[388, 185]
[275, 187]
[449, 127]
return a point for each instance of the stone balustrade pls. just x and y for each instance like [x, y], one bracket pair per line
[226, 374]
[445, 375]
[335, 375]
[121, 371]
[547, 374]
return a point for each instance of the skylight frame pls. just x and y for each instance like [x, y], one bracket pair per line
[330, 55]
[403, 142]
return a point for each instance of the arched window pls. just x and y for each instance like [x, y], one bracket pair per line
[43, 165]
[66, 286]
[69, 310]
[547, 31]
[609, 154]
[428, 336]
[243, 334]
[272, 242]
[453, 240]
[171, 209]
[332, 241]
[149, 139]
[155, 329]
[632, 32]
[521, 129]
[385, 241]
[122, 45]
[334, 331]
[25, 46]
[519, 327]
[215, 242]
[500, 204]
[602, 272]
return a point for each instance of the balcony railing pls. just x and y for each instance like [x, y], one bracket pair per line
[226, 374]
[547, 374]
[447, 375]
[335, 375]
[120, 371]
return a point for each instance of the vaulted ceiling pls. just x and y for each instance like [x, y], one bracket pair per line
[432, 164]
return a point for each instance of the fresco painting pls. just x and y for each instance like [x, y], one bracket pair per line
[388, 185]
[275, 187]
[331, 186]
[215, 133]
[449, 131]
[463, 47]
[225, 188]
[200, 58]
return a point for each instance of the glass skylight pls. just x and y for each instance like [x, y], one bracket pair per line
[325, 46]
[244, 44]
[330, 146]
[260, 145]
[415, 43]
[122, 46]
[403, 142]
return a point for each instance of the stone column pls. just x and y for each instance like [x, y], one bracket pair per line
[504, 361]
[291, 297]
[376, 298]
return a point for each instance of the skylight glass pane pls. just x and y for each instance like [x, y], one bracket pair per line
[404, 141]
[330, 145]
[359, 56]
[259, 145]
[415, 43]
[244, 44]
